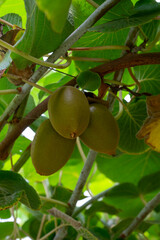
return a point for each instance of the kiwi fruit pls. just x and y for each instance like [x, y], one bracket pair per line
[50, 151]
[102, 133]
[69, 111]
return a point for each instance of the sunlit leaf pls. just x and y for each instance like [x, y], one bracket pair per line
[56, 12]
[140, 14]
[128, 168]
[38, 27]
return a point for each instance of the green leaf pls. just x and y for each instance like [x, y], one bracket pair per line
[37, 123]
[128, 168]
[122, 197]
[6, 229]
[4, 214]
[149, 183]
[68, 180]
[100, 206]
[89, 80]
[30, 105]
[14, 188]
[148, 76]
[141, 14]
[16, 7]
[31, 226]
[8, 200]
[91, 39]
[129, 123]
[100, 233]
[49, 226]
[58, 193]
[122, 225]
[123, 190]
[2, 1]
[56, 12]
[20, 145]
[54, 85]
[12, 18]
[5, 99]
[38, 28]
[150, 30]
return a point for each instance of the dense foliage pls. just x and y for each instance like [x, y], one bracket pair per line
[118, 40]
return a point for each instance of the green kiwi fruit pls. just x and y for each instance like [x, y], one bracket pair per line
[50, 151]
[69, 111]
[102, 133]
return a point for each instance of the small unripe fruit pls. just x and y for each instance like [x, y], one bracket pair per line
[102, 133]
[69, 111]
[49, 150]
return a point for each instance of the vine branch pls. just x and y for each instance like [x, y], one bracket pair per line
[75, 224]
[141, 216]
[127, 61]
[98, 48]
[94, 4]
[81, 181]
[90, 201]
[33, 59]
[54, 201]
[78, 189]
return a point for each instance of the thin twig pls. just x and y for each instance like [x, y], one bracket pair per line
[46, 186]
[80, 149]
[12, 76]
[7, 23]
[134, 79]
[89, 179]
[100, 48]
[58, 214]
[130, 41]
[23, 159]
[75, 224]
[86, 59]
[118, 83]
[9, 91]
[54, 201]
[97, 100]
[153, 43]
[119, 100]
[93, 199]
[141, 216]
[37, 86]
[118, 115]
[41, 226]
[25, 233]
[94, 4]
[81, 181]
[54, 230]
[33, 59]
[78, 189]
[15, 230]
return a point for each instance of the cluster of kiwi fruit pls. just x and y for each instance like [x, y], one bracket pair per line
[70, 116]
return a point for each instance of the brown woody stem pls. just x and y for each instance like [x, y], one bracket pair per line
[130, 60]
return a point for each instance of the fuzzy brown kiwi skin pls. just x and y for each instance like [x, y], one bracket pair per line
[68, 110]
[50, 151]
[102, 133]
